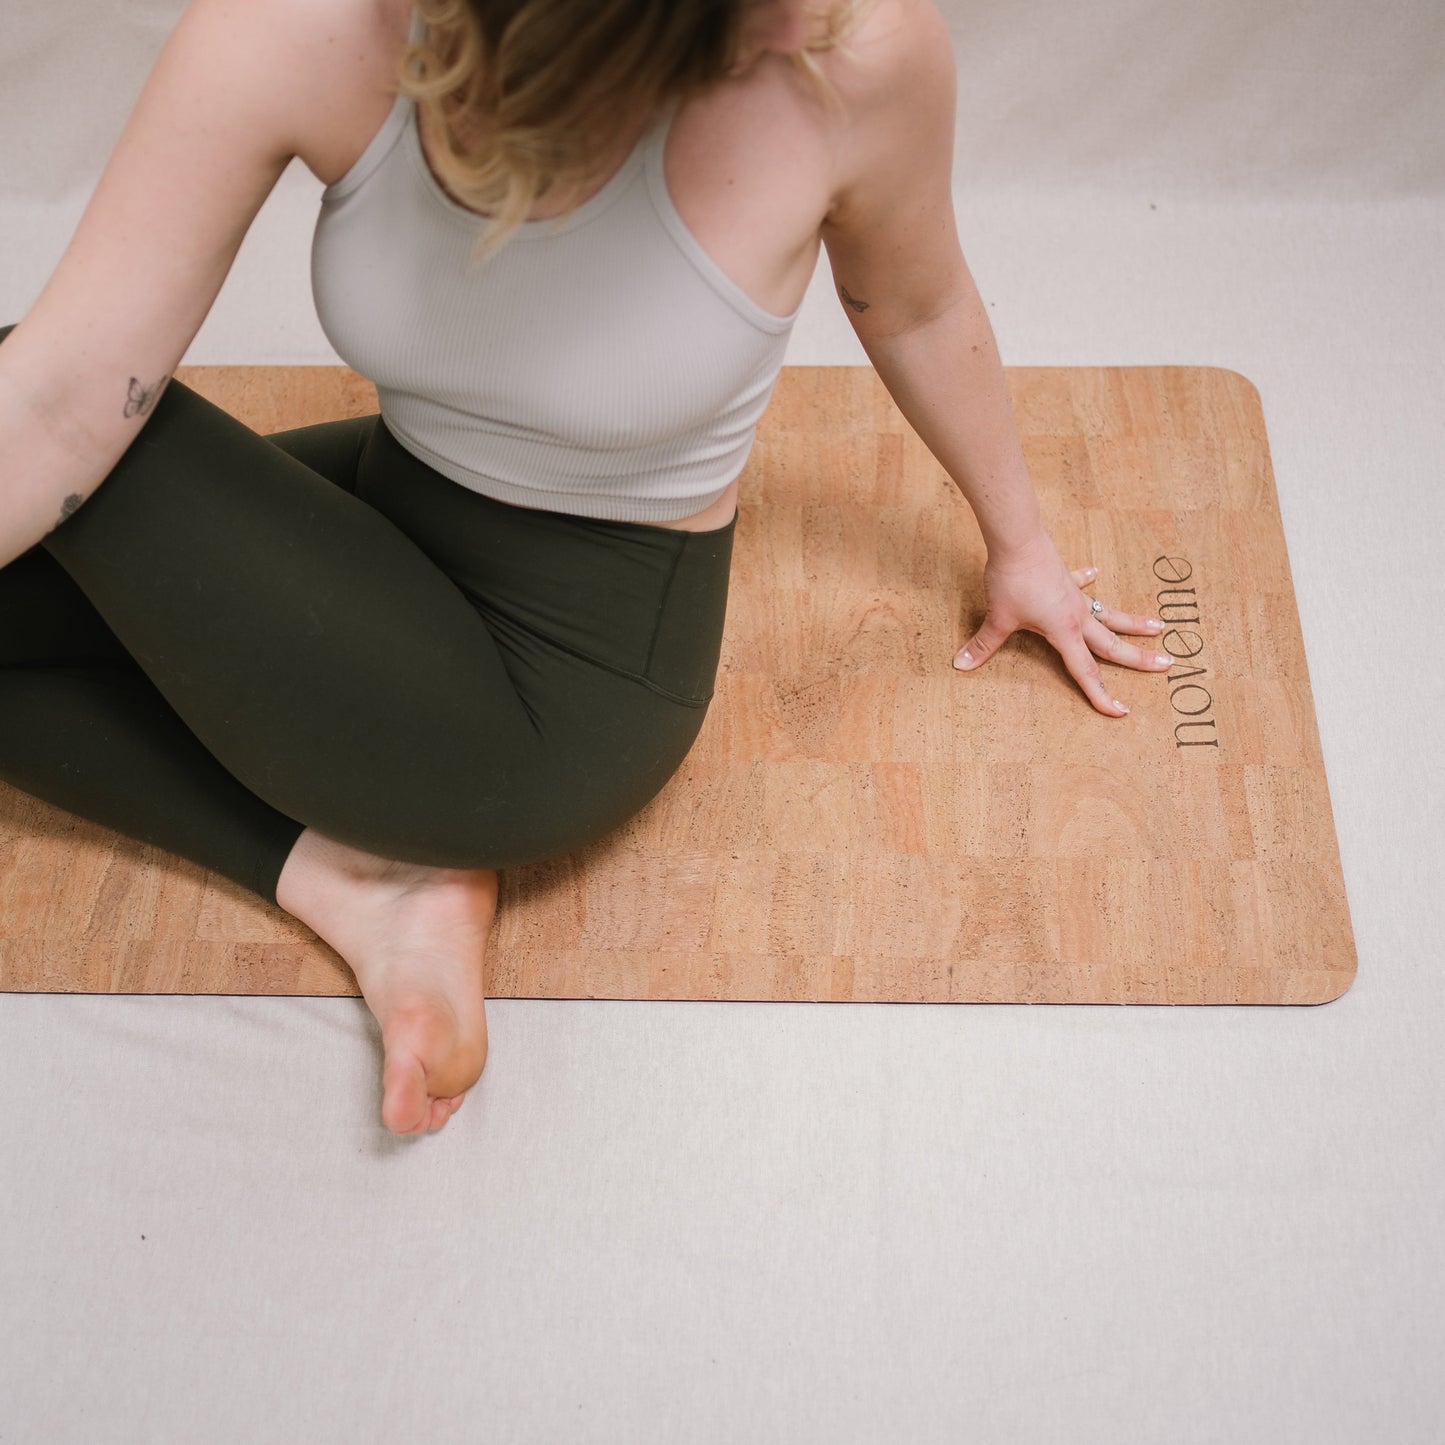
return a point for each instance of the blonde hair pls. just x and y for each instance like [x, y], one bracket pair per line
[562, 81]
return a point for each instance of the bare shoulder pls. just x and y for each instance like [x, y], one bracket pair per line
[893, 33]
[317, 57]
[347, 51]
[898, 90]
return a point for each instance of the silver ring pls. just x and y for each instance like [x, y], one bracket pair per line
[1095, 606]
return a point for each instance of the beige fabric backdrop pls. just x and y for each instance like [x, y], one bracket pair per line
[1274, 98]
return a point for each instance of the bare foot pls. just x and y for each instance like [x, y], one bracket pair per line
[415, 938]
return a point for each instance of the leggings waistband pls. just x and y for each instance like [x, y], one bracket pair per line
[645, 601]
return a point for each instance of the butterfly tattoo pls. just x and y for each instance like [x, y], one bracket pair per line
[139, 399]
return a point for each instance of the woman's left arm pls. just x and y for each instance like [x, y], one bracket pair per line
[893, 247]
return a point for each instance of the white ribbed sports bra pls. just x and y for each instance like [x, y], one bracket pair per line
[601, 363]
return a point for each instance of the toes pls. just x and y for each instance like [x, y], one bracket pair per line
[406, 1108]
[409, 1107]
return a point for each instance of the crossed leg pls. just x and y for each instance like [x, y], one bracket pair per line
[223, 642]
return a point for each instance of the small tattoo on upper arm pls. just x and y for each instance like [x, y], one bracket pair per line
[140, 399]
[69, 505]
[853, 301]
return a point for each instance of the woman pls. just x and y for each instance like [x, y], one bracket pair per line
[358, 667]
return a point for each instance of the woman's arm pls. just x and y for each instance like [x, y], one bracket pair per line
[47, 470]
[893, 245]
[948, 381]
[211, 133]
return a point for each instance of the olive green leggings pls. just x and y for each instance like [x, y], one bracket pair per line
[238, 636]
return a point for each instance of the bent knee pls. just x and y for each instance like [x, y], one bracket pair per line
[498, 809]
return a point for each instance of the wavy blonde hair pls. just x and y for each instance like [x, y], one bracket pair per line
[563, 81]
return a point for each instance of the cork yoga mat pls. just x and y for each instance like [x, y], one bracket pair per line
[858, 821]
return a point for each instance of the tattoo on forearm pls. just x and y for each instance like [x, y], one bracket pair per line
[69, 506]
[140, 399]
[853, 301]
